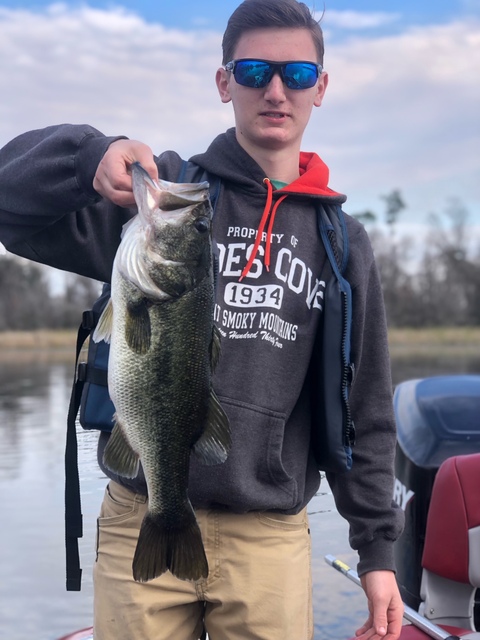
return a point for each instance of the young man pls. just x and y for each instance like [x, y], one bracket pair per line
[63, 193]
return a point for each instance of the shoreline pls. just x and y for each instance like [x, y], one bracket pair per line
[43, 345]
[403, 342]
[38, 340]
[437, 341]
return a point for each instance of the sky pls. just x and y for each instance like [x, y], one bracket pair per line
[401, 109]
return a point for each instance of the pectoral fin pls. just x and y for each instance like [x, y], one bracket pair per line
[103, 330]
[119, 456]
[138, 330]
[214, 444]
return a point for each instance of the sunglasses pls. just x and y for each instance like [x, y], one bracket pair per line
[250, 72]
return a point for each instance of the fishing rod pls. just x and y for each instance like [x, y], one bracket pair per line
[433, 630]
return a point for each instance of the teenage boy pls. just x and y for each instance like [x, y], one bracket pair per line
[64, 193]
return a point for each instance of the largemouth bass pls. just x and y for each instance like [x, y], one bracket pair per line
[164, 347]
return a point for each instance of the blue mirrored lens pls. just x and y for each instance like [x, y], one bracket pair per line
[251, 73]
[300, 75]
[258, 73]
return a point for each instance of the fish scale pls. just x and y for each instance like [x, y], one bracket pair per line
[164, 345]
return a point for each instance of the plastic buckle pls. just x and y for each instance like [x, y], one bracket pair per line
[82, 371]
[88, 319]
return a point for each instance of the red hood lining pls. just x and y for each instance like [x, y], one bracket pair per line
[313, 180]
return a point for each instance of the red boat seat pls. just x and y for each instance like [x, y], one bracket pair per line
[452, 537]
[451, 555]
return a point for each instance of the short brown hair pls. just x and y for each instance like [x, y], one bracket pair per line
[269, 14]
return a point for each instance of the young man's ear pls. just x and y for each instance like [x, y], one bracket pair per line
[222, 79]
[321, 88]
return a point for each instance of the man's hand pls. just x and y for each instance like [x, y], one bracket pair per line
[385, 606]
[113, 180]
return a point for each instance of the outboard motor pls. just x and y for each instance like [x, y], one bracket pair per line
[437, 418]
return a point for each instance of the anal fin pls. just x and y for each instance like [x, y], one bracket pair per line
[215, 347]
[214, 444]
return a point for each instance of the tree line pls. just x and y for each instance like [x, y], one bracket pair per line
[433, 281]
[27, 301]
[429, 284]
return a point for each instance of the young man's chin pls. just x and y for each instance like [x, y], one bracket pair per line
[275, 138]
[271, 132]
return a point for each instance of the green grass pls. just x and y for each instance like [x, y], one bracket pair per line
[400, 339]
[439, 340]
[37, 340]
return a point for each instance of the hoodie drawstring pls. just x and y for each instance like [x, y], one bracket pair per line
[261, 226]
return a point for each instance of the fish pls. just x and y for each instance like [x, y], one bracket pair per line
[164, 347]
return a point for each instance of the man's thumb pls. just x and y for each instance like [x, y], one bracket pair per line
[380, 625]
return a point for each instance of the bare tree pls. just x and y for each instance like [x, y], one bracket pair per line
[79, 295]
[461, 272]
[24, 295]
[394, 204]
[27, 302]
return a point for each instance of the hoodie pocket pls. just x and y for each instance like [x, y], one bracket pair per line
[254, 476]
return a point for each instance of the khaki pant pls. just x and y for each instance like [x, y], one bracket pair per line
[258, 588]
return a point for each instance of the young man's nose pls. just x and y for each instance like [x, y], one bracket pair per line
[275, 89]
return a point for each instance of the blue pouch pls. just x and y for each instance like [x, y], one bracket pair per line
[96, 408]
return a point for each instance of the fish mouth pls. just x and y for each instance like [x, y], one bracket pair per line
[168, 201]
[164, 195]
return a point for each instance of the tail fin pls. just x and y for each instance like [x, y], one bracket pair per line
[178, 549]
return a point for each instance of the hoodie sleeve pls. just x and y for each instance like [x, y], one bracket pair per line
[364, 495]
[49, 211]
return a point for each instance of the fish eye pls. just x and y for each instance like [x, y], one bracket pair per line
[202, 225]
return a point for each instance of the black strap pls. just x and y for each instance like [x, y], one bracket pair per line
[73, 507]
[333, 232]
[86, 373]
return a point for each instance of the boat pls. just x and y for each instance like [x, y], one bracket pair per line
[437, 484]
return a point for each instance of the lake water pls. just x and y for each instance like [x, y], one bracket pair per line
[34, 395]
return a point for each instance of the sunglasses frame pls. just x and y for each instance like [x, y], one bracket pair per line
[276, 67]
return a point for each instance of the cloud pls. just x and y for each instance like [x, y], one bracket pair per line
[471, 6]
[404, 110]
[400, 110]
[111, 69]
[356, 19]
